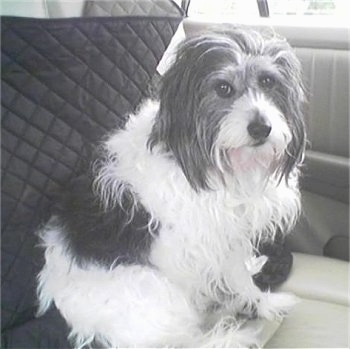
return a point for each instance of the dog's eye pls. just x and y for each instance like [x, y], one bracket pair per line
[224, 89]
[266, 81]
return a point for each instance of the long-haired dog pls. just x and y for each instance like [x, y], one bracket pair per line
[158, 247]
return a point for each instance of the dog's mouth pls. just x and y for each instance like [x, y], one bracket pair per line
[258, 155]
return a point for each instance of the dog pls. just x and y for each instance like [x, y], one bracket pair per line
[157, 247]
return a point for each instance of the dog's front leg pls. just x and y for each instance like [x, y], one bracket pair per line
[248, 299]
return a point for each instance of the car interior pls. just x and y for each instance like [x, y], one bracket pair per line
[320, 240]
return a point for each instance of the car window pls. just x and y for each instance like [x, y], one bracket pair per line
[330, 12]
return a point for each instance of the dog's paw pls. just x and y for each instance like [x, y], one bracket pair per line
[276, 305]
[230, 333]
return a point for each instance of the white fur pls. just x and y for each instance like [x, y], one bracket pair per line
[202, 253]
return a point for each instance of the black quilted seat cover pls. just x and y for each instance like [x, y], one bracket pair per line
[65, 83]
[131, 8]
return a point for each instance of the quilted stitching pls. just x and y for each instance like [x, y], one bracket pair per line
[65, 83]
[131, 8]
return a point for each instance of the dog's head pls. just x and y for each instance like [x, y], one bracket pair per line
[232, 102]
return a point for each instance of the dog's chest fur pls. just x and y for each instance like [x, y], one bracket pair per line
[200, 233]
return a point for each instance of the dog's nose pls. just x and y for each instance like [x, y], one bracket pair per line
[259, 129]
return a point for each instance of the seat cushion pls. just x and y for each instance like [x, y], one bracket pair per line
[313, 324]
[319, 278]
[321, 318]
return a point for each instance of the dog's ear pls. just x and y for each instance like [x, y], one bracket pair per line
[292, 102]
[296, 101]
[176, 126]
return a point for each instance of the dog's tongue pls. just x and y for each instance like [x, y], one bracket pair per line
[237, 155]
[246, 159]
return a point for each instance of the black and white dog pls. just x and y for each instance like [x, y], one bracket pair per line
[159, 249]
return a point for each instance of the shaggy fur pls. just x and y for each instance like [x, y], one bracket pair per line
[163, 252]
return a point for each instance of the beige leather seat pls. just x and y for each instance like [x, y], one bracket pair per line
[321, 319]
